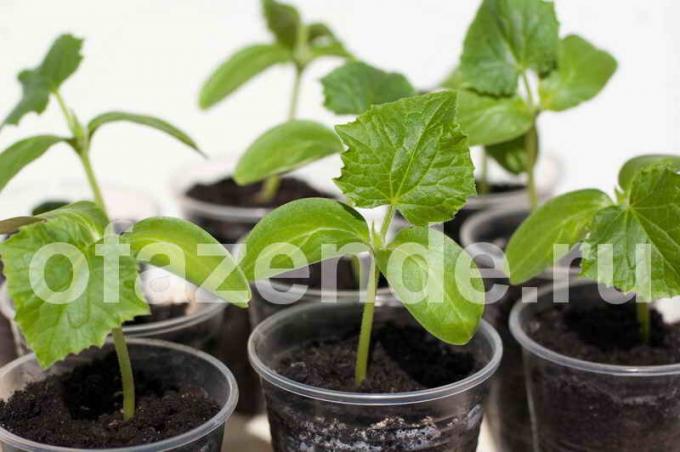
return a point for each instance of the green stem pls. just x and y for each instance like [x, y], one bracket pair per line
[531, 144]
[642, 308]
[271, 185]
[125, 365]
[483, 187]
[125, 373]
[364, 347]
[92, 179]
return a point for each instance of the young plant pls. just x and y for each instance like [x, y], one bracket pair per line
[74, 281]
[43, 83]
[295, 142]
[514, 66]
[632, 244]
[70, 281]
[410, 156]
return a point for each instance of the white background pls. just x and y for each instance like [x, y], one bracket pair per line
[151, 56]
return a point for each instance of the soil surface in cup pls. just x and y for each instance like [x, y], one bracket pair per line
[160, 313]
[453, 226]
[226, 192]
[82, 409]
[403, 359]
[606, 334]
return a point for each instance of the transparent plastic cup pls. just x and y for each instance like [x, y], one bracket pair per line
[179, 364]
[198, 328]
[304, 417]
[579, 405]
[507, 408]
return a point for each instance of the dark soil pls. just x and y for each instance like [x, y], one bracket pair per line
[403, 358]
[160, 313]
[453, 226]
[82, 409]
[226, 192]
[578, 410]
[607, 334]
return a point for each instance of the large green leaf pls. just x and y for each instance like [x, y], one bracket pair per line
[564, 220]
[185, 249]
[634, 165]
[16, 157]
[145, 120]
[239, 69]
[57, 325]
[445, 297]
[62, 60]
[302, 227]
[284, 22]
[355, 86]
[582, 71]
[490, 120]
[506, 38]
[284, 148]
[648, 218]
[454, 80]
[409, 154]
[510, 155]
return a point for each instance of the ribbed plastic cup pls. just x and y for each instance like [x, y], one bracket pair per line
[304, 417]
[579, 405]
[507, 408]
[180, 364]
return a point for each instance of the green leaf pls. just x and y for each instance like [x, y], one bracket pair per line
[352, 88]
[61, 61]
[192, 254]
[35, 97]
[564, 220]
[506, 38]
[149, 121]
[634, 165]
[11, 225]
[239, 69]
[510, 155]
[430, 284]
[491, 120]
[306, 225]
[53, 327]
[16, 157]
[322, 42]
[409, 154]
[582, 71]
[284, 148]
[283, 21]
[649, 218]
[48, 205]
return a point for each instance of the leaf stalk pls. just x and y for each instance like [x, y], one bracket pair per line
[643, 318]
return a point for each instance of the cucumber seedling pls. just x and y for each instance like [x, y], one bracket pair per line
[631, 243]
[295, 142]
[88, 289]
[411, 156]
[42, 84]
[513, 67]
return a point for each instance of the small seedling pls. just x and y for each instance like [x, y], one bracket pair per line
[295, 142]
[514, 66]
[42, 84]
[632, 244]
[410, 156]
[70, 281]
